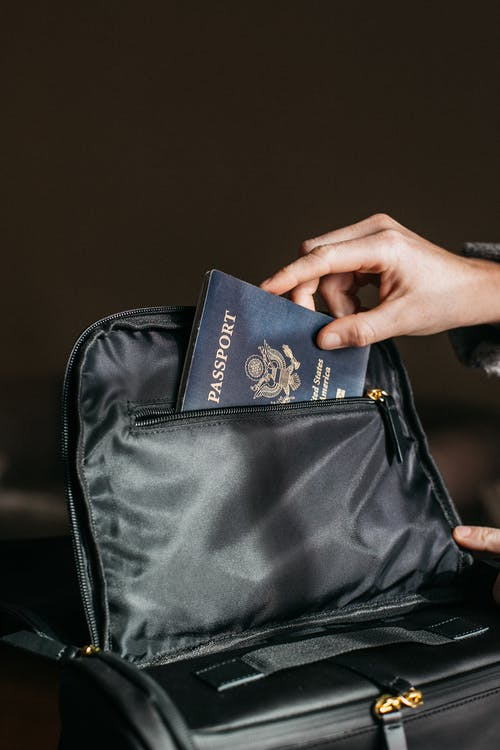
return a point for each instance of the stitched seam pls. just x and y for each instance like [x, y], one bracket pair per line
[216, 666]
[470, 630]
[442, 622]
[466, 632]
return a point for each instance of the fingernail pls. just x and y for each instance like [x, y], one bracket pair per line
[330, 341]
[463, 531]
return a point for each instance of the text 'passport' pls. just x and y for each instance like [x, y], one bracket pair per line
[250, 347]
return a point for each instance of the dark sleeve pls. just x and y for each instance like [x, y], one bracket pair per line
[479, 346]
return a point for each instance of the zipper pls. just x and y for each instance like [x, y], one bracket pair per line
[153, 416]
[331, 620]
[149, 416]
[65, 450]
[391, 418]
[89, 650]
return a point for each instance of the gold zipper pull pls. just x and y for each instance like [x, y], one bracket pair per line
[389, 411]
[386, 704]
[376, 394]
[89, 650]
[387, 710]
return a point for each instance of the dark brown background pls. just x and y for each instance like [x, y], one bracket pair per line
[145, 142]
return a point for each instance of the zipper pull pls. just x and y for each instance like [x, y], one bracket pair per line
[391, 418]
[89, 650]
[388, 711]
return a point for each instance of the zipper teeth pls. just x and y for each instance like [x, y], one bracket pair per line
[148, 416]
[79, 557]
[240, 641]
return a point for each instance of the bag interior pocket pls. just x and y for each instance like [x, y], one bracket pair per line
[210, 526]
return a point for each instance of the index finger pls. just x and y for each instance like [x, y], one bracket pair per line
[366, 255]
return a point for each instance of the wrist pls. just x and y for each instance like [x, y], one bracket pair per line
[481, 298]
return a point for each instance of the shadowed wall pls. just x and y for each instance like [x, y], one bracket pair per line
[143, 143]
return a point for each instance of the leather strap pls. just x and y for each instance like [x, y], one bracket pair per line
[27, 631]
[265, 661]
[375, 670]
[394, 731]
[45, 646]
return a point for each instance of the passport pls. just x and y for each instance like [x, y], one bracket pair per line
[250, 347]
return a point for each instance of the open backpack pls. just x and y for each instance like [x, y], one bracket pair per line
[271, 577]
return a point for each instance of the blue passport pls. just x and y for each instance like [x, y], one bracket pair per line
[250, 347]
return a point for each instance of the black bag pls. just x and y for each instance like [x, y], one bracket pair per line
[259, 576]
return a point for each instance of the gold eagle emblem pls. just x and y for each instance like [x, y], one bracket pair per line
[272, 376]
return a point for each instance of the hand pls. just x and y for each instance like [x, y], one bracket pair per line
[423, 289]
[481, 539]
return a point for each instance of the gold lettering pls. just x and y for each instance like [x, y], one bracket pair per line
[224, 342]
[221, 355]
[317, 379]
[326, 380]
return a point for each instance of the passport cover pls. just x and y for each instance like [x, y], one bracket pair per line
[250, 347]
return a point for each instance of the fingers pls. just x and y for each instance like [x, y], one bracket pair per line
[368, 255]
[481, 538]
[373, 224]
[303, 294]
[339, 291]
[360, 329]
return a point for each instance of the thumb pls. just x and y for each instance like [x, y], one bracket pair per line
[359, 329]
[480, 538]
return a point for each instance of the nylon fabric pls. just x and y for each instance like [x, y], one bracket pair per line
[214, 525]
